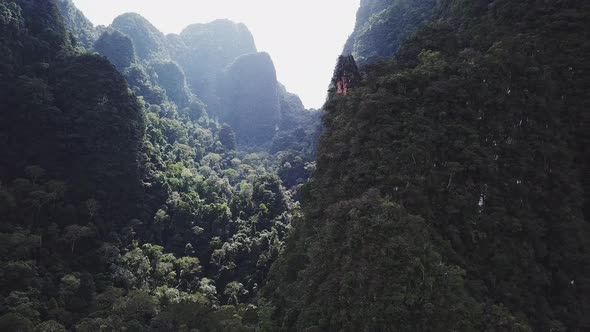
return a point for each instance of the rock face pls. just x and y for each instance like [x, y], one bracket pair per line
[149, 42]
[204, 50]
[250, 97]
[382, 25]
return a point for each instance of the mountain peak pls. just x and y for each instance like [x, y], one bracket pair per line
[221, 32]
[149, 42]
[131, 16]
[254, 113]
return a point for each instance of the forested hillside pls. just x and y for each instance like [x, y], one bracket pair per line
[153, 182]
[83, 31]
[451, 189]
[124, 204]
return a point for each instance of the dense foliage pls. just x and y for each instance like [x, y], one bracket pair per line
[118, 48]
[450, 191]
[123, 204]
[83, 31]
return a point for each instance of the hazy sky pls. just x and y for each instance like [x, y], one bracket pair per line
[303, 37]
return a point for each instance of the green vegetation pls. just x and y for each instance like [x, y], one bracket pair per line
[215, 65]
[148, 41]
[450, 192]
[123, 204]
[118, 48]
[83, 31]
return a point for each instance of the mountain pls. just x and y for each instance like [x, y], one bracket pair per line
[69, 102]
[204, 55]
[124, 205]
[149, 42]
[210, 48]
[172, 79]
[70, 172]
[251, 98]
[150, 72]
[450, 192]
[202, 52]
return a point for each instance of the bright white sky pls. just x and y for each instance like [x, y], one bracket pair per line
[303, 37]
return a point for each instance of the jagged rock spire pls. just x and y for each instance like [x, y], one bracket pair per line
[346, 75]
